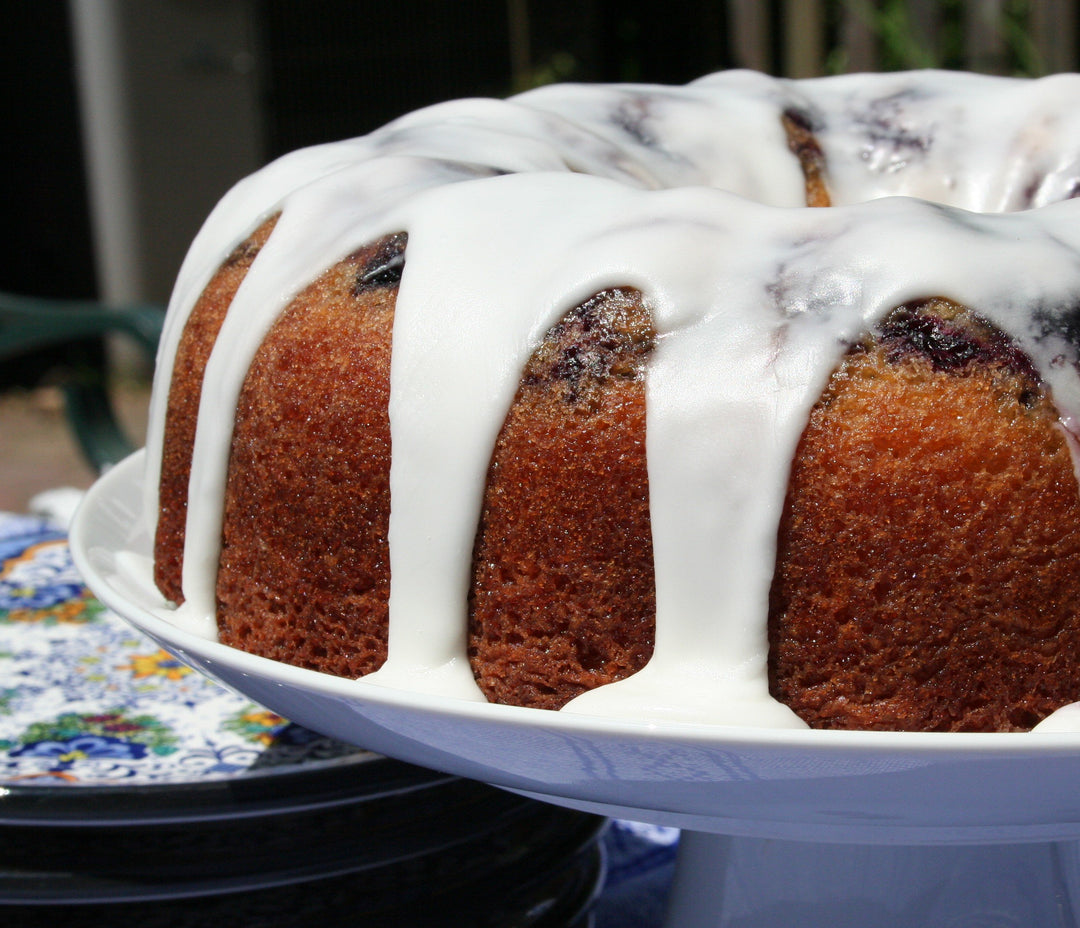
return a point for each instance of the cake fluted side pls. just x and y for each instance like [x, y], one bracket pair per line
[753, 305]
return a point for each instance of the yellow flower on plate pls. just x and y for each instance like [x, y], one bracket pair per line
[161, 664]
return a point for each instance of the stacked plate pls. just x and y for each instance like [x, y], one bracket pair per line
[131, 787]
[396, 843]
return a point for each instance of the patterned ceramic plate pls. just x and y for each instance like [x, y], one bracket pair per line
[98, 723]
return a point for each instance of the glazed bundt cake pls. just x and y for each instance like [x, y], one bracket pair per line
[582, 400]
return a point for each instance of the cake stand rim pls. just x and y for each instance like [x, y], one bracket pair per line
[673, 765]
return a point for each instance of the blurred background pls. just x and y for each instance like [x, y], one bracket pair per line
[127, 119]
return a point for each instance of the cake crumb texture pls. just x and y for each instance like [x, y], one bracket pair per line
[304, 574]
[928, 573]
[563, 595]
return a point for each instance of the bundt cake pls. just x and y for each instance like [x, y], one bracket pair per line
[752, 402]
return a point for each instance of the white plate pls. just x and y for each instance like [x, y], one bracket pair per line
[871, 787]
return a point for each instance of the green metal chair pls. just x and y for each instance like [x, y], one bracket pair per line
[30, 324]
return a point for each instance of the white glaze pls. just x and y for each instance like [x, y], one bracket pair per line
[754, 305]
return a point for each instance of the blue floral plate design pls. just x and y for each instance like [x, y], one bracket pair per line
[96, 721]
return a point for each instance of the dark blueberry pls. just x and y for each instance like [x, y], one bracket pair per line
[801, 119]
[385, 266]
[630, 116]
[889, 130]
[1061, 322]
[949, 345]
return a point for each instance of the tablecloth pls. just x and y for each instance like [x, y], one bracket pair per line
[87, 699]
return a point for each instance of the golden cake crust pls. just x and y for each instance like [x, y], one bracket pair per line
[563, 597]
[304, 572]
[928, 572]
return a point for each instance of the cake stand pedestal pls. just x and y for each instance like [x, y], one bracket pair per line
[780, 828]
[724, 882]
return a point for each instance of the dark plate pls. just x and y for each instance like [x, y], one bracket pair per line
[277, 791]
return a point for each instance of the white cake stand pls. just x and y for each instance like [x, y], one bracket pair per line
[781, 828]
